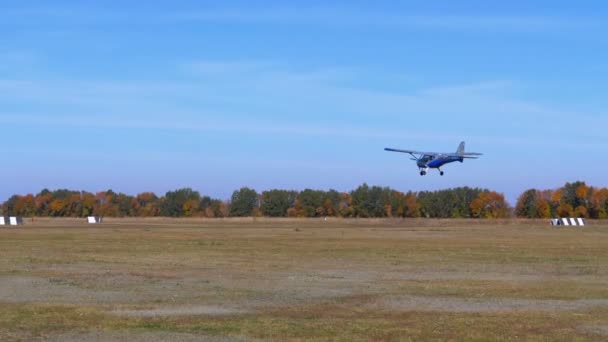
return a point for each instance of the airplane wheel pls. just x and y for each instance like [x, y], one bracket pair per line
[441, 173]
[422, 173]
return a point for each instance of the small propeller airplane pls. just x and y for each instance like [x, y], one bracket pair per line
[435, 160]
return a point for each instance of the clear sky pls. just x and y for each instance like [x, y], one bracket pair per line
[284, 94]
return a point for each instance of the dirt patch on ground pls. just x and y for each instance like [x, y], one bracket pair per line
[595, 329]
[126, 336]
[443, 304]
[214, 294]
[18, 289]
[209, 310]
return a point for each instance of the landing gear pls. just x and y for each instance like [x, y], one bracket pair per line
[422, 173]
[440, 173]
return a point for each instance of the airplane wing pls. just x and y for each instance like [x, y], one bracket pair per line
[411, 152]
[470, 155]
[402, 151]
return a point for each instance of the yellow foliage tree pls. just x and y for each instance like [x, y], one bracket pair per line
[582, 192]
[328, 207]
[599, 203]
[57, 207]
[413, 207]
[543, 209]
[25, 205]
[190, 207]
[489, 205]
[565, 210]
[581, 211]
[556, 197]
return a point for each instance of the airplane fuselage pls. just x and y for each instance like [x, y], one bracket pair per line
[435, 162]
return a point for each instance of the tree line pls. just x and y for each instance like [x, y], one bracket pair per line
[572, 200]
[575, 199]
[364, 202]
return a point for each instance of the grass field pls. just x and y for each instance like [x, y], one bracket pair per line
[224, 280]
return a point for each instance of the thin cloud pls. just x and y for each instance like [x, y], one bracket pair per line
[267, 128]
[257, 127]
[256, 70]
[227, 67]
[318, 102]
[331, 16]
[325, 16]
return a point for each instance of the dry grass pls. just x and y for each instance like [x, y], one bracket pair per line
[245, 279]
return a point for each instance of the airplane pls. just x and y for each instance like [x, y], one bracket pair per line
[435, 160]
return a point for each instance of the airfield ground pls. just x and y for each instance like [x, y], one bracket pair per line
[213, 280]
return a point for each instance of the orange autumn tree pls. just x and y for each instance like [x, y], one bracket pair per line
[329, 208]
[58, 207]
[412, 207]
[489, 205]
[543, 208]
[582, 192]
[582, 195]
[88, 204]
[598, 205]
[25, 205]
[534, 204]
[556, 199]
[565, 210]
[561, 207]
[345, 206]
[146, 204]
[43, 199]
[190, 208]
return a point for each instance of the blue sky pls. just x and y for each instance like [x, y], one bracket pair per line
[274, 94]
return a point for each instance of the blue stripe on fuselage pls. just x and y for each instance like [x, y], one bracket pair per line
[442, 161]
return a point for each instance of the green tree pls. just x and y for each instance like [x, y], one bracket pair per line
[449, 203]
[371, 202]
[275, 203]
[404, 205]
[570, 195]
[526, 204]
[311, 203]
[173, 203]
[123, 204]
[243, 202]
[220, 208]
[8, 207]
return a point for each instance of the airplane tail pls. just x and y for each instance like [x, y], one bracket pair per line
[460, 150]
[462, 155]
